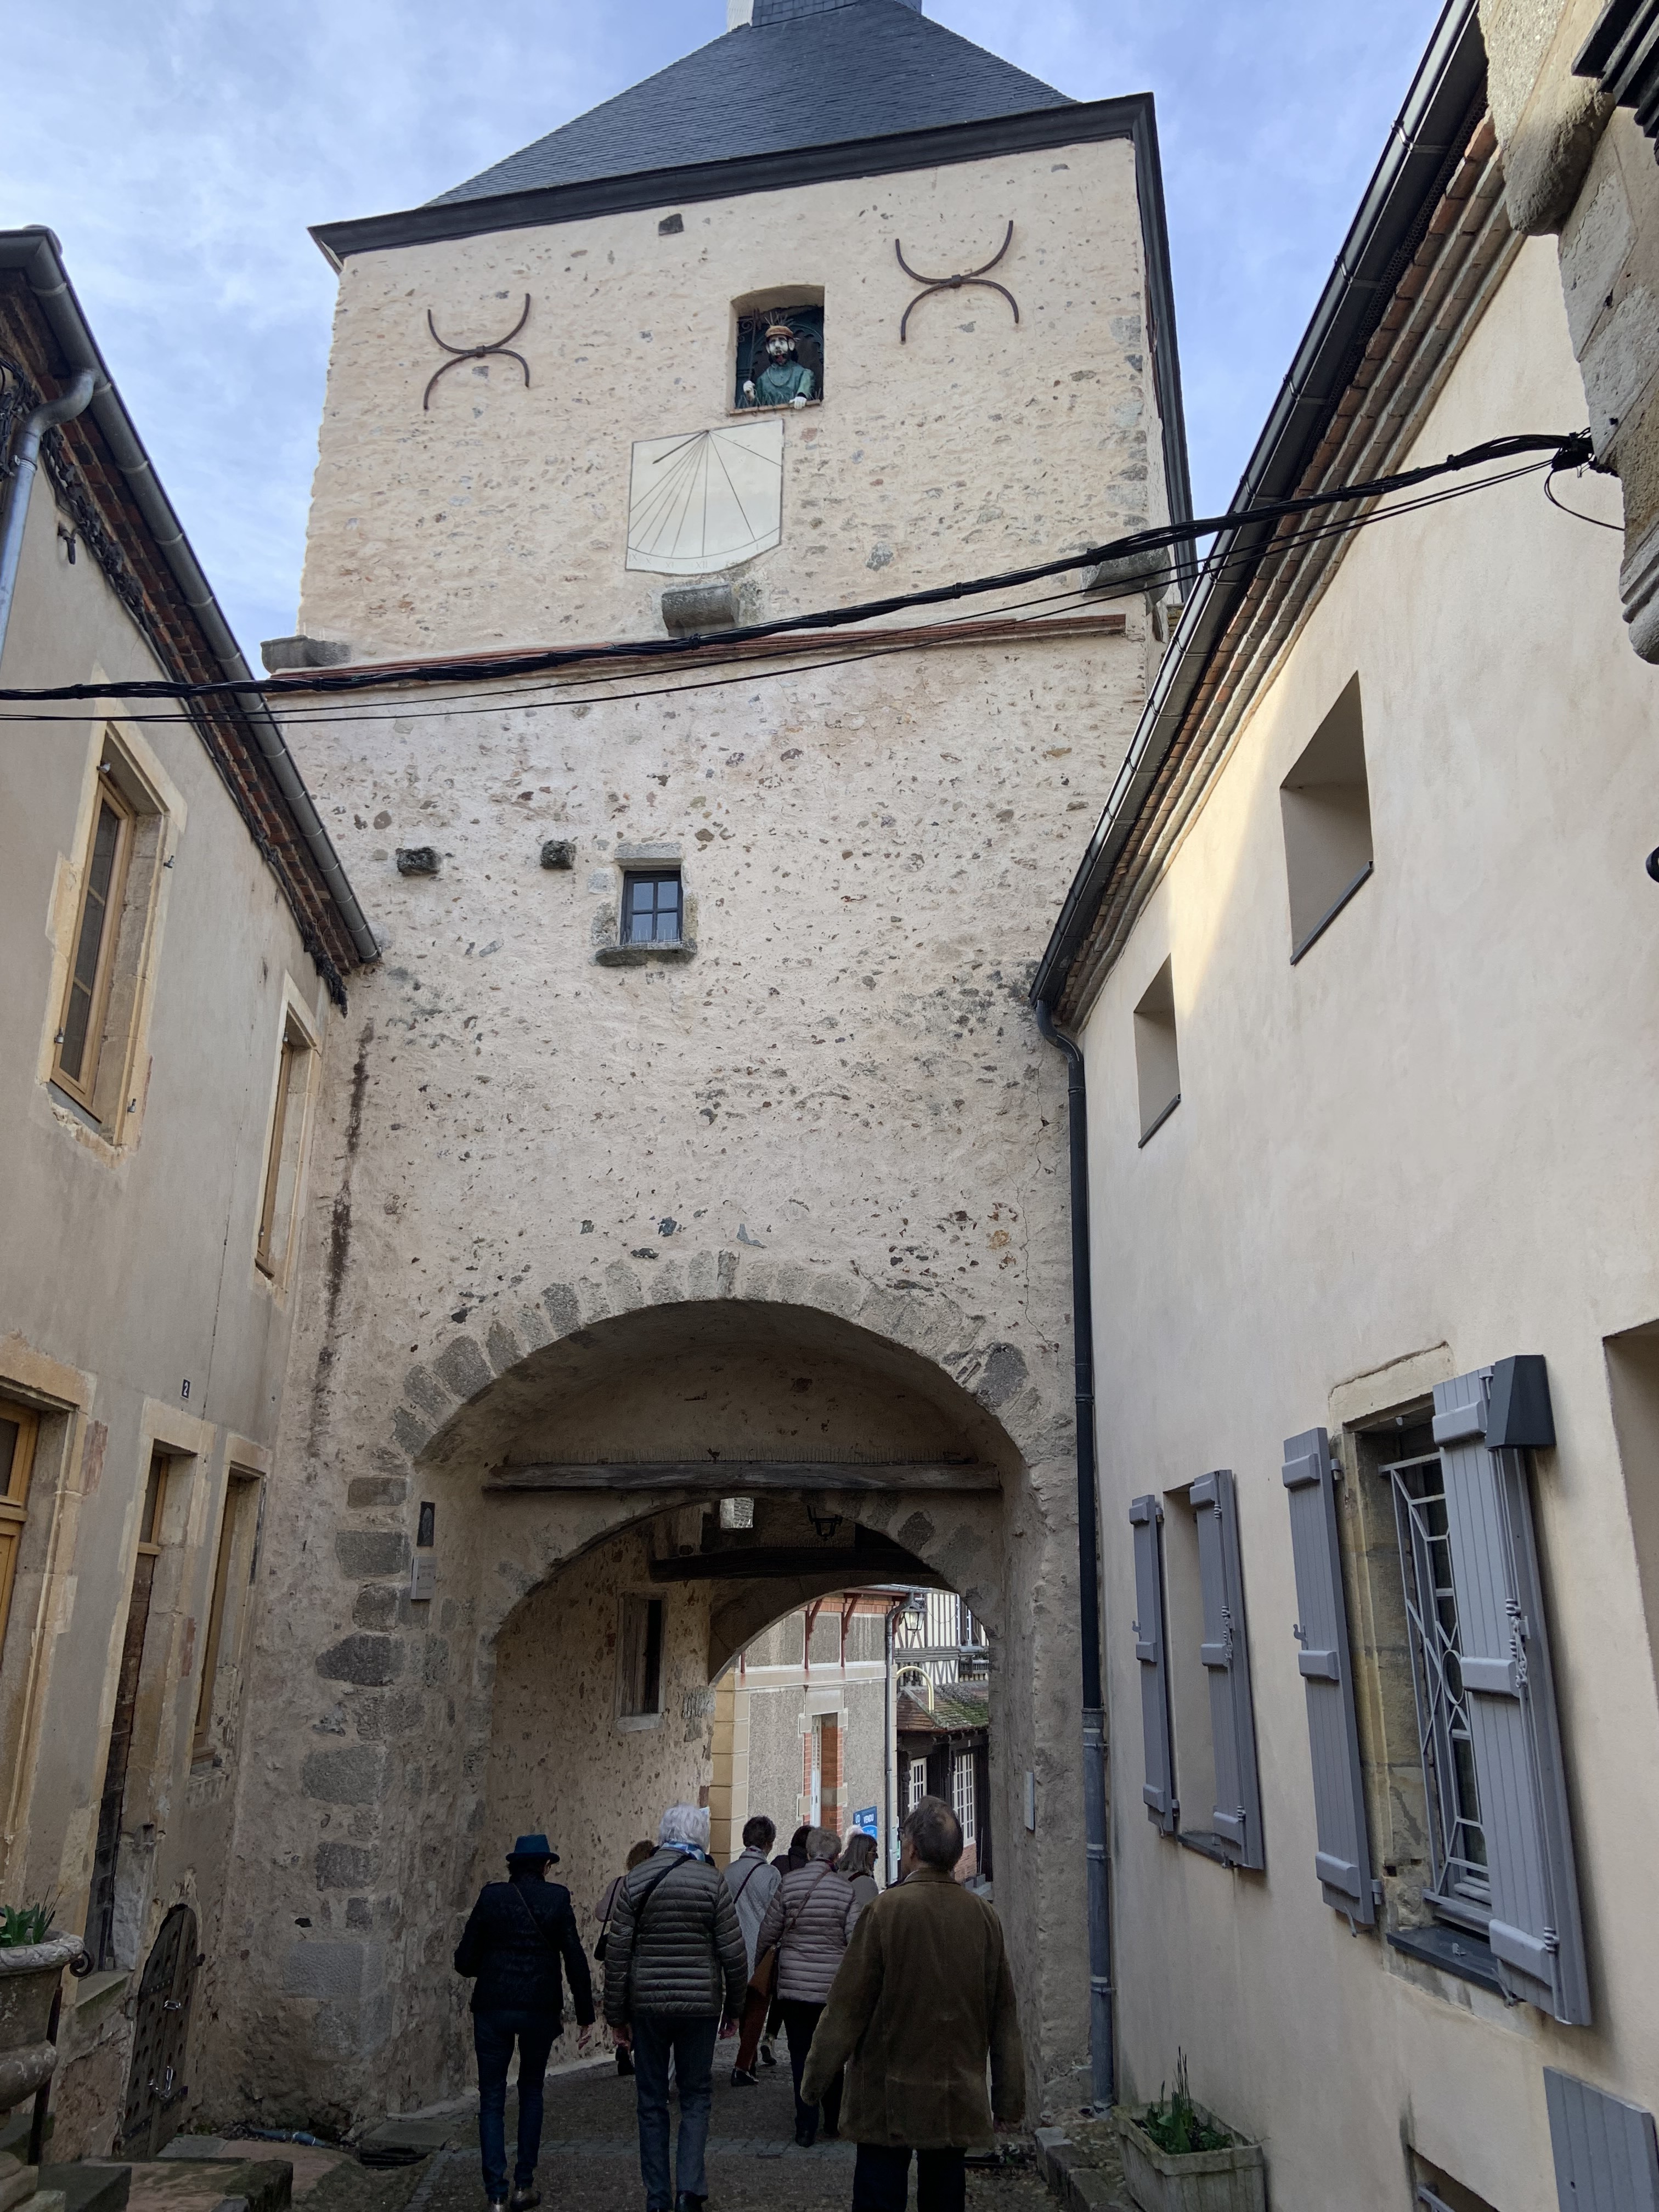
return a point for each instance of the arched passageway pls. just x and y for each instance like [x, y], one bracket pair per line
[620, 1493]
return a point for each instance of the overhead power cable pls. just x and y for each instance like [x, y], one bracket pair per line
[1566, 451]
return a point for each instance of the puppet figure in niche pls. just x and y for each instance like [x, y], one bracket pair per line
[781, 359]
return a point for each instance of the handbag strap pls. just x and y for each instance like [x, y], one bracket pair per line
[652, 1886]
[811, 1892]
[534, 1917]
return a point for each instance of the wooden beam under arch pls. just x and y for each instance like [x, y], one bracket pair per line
[729, 1478]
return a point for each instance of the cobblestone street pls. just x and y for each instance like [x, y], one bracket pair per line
[589, 2154]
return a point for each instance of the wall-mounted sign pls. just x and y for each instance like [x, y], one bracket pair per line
[867, 1821]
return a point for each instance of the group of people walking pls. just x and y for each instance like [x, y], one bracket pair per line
[892, 2001]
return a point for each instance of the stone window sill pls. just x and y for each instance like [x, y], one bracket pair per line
[98, 1990]
[1206, 1845]
[1453, 1950]
[644, 956]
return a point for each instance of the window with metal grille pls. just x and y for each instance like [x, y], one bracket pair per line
[962, 1794]
[651, 908]
[1460, 1889]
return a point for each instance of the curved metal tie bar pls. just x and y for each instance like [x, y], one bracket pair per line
[476, 352]
[954, 283]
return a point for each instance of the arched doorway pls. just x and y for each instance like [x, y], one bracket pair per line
[739, 1443]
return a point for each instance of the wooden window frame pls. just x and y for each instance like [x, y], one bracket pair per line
[82, 1087]
[643, 1715]
[657, 878]
[13, 1499]
[295, 1047]
[241, 1489]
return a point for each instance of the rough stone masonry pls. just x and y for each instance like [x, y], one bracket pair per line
[790, 1189]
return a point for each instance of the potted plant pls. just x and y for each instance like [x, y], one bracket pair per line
[31, 1963]
[1179, 2157]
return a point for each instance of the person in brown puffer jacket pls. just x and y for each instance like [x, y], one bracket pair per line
[811, 1920]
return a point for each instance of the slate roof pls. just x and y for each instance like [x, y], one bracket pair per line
[811, 76]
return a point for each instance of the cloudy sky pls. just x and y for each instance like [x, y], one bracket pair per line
[179, 148]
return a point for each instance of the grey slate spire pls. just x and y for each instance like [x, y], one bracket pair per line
[803, 73]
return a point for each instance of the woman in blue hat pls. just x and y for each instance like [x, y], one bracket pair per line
[518, 1932]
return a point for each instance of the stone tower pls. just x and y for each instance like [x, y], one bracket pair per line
[693, 1143]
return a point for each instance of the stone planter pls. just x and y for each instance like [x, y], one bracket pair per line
[30, 1975]
[1233, 2180]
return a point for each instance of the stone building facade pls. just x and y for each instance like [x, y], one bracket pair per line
[176, 942]
[613, 1229]
[803, 1725]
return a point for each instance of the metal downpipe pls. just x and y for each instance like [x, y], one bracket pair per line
[63, 408]
[1102, 2053]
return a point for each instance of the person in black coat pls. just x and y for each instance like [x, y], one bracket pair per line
[517, 1934]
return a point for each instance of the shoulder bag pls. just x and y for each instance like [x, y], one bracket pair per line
[764, 1978]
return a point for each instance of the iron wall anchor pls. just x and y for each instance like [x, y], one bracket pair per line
[504, 346]
[947, 283]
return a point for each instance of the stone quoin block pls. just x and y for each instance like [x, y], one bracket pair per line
[354, 1774]
[366, 1552]
[366, 1659]
[388, 1717]
[367, 1491]
[332, 1970]
[376, 1606]
[346, 1866]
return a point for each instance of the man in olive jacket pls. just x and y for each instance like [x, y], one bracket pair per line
[924, 1995]
[674, 1962]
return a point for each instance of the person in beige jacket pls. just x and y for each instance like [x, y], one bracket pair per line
[809, 1920]
[924, 1996]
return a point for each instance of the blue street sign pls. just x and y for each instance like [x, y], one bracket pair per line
[868, 1820]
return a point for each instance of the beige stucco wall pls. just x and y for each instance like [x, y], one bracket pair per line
[1436, 1134]
[498, 515]
[126, 1271]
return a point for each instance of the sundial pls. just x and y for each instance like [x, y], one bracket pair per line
[706, 499]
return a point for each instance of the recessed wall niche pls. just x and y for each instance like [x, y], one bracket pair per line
[778, 376]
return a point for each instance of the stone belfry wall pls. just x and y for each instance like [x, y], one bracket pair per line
[794, 1189]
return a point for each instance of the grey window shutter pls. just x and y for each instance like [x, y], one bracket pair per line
[1342, 1859]
[1225, 1652]
[1535, 1932]
[1607, 2156]
[1147, 1516]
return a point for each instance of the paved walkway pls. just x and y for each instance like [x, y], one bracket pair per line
[589, 2154]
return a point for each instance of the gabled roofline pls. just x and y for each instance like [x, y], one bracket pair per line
[36, 253]
[1381, 237]
[1076, 123]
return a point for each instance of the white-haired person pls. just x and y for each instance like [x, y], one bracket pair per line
[675, 1964]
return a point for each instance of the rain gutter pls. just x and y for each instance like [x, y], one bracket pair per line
[35, 251]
